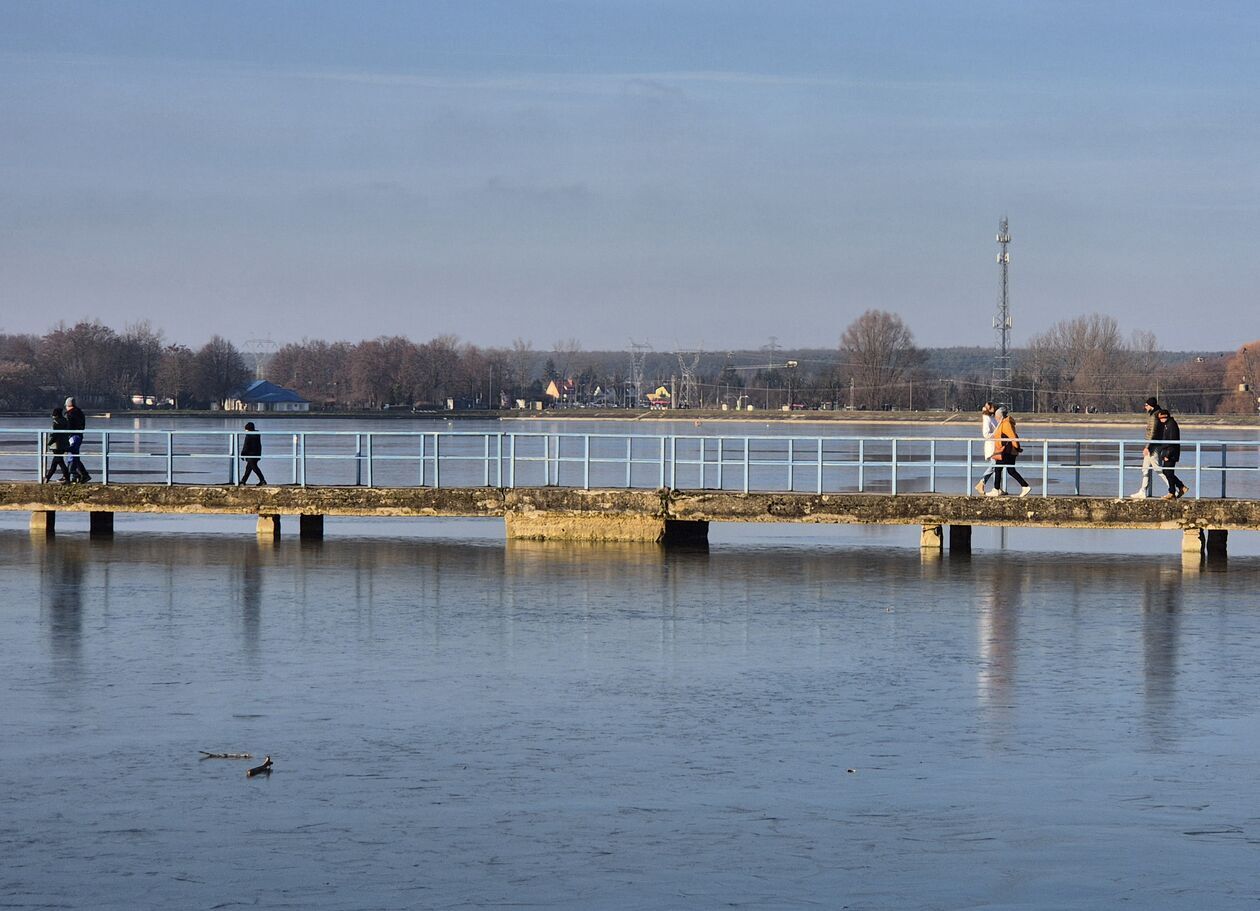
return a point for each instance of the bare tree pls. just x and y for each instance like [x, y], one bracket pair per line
[221, 370]
[879, 353]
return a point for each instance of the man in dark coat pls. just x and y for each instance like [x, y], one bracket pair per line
[251, 452]
[1166, 448]
[58, 444]
[75, 423]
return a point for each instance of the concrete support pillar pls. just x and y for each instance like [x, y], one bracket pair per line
[44, 522]
[931, 538]
[960, 539]
[311, 528]
[1217, 539]
[538, 525]
[1192, 541]
[268, 526]
[685, 531]
[100, 524]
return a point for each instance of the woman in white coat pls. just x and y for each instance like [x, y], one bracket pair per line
[988, 425]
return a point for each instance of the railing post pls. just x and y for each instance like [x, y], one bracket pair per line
[1120, 473]
[662, 484]
[41, 446]
[302, 447]
[170, 458]
[485, 459]
[512, 460]
[369, 459]
[358, 459]
[105, 459]
[1224, 466]
[629, 462]
[547, 460]
[747, 465]
[295, 458]
[233, 468]
[1045, 468]
[437, 461]
[932, 467]
[498, 475]
[586, 462]
[791, 466]
[721, 454]
[970, 470]
[673, 463]
[423, 455]
[1077, 486]
[1198, 470]
[819, 485]
[893, 459]
[861, 466]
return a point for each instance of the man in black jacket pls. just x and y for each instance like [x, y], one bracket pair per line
[75, 423]
[1166, 448]
[251, 452]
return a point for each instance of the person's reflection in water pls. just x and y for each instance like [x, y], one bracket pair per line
[251, 604]
[63, 587]
[1000, 592]
[1161, 611]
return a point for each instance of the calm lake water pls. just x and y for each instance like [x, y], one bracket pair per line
[813, 718]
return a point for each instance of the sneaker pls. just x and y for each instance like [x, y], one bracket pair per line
[1025, 490]
[1183, 491]
[1140, 495]
[996, 492]
[980, 488]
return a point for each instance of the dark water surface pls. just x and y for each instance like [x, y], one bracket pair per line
[462, 723]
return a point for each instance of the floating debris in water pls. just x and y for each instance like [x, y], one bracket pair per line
[206, 754]
[264, 769]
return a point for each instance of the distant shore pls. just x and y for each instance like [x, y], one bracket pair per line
[690, 416]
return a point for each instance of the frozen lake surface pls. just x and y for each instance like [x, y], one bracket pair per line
[811, 719]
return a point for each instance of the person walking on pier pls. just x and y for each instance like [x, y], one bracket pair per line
[988, 424]
[1166, 449]
[1006, 450]
[251, 452]
[76, 422]
[1148, 457]
[58, 444]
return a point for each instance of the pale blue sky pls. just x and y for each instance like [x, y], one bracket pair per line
[707, 173]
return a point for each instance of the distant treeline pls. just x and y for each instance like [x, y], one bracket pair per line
[1079, 364]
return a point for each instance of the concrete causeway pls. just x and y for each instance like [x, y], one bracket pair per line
[557, 513]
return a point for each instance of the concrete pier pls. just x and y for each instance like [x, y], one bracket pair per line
[100, 524]
[557, 513]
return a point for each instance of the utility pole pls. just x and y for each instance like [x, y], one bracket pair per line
[1000, 386]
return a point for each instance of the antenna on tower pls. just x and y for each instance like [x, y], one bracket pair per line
[262, 351]
[1000, 385]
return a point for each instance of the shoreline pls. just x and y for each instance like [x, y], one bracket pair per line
[1236, 422]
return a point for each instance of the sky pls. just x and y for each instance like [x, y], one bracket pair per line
[702, 174]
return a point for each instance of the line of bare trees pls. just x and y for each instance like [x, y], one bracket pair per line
[1083, 363]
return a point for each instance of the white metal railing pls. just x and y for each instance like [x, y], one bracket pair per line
[813, 464]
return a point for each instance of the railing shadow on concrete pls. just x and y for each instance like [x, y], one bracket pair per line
[748, 464]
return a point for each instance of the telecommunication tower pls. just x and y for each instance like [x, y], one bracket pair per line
[638, 357]
[1000, 385]
[689, 394]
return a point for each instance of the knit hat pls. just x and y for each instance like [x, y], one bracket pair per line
[1153, 402]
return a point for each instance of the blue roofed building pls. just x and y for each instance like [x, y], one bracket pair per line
[261, 395]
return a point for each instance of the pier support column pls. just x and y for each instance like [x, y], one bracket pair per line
[930, 538]
[268, 527]
[1217, 539]
[44, 522]
[960, 539]
[686, 531]
[310, 528]
[1192, 541]
[100, 524]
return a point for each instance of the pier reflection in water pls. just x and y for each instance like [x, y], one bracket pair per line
[467, 723]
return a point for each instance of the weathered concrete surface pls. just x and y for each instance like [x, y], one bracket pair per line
[554, 504]
[332, 501]
[931, 538]
[560, 514]
[940, 509]
[268, 526]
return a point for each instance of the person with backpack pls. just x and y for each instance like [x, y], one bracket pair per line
[58, 445]
[1005, 451]
[1166, 450]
